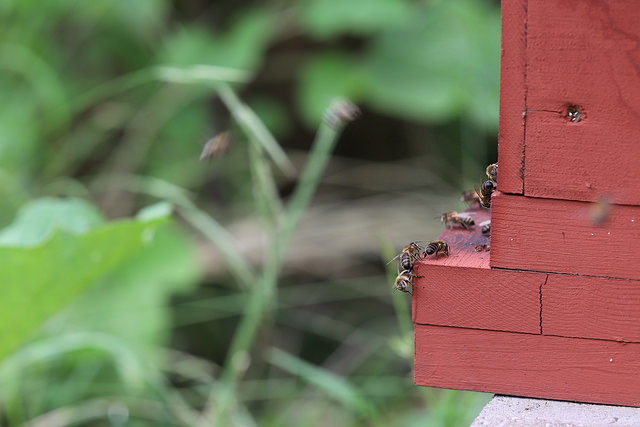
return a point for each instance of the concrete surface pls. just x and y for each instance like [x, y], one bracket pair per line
[507, 411]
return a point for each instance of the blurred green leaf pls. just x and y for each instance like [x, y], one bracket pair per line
[38, 281]
[133, 302]
[325, 78]
[326, 18]
[242, 46]
[432, 68]
[40, 219]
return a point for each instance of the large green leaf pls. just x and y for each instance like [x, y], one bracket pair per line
[444, 63]
[44, 272]
[242, 46]
[133, 303]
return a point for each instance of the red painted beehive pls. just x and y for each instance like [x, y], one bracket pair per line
[553, 310]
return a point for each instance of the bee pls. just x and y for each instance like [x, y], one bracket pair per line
[486, 189]
[485, 226]
[217, 146]
[482, 248]
[403, 281]
[492, 172]
[435, 247]
[453, 217]
[408, 256]
[470, 197]
[600, 210]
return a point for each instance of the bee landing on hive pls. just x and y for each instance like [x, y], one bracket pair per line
[449, 219]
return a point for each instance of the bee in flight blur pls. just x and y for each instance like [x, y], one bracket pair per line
[492, 172]
[449, 219]
[403, 281]
[470, 198]
[435, 247]
[408, 256]
[485, 226]
[217, 146]
[486, 190]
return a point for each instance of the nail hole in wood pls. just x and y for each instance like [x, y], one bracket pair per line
[574, 114]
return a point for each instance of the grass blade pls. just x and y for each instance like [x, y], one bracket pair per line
[334, 386]
[254, 128]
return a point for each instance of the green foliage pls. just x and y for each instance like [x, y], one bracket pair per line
[326, 18]
[441, 63]
[112, 101]
[334, 386]
[241, 46]
[51, 253]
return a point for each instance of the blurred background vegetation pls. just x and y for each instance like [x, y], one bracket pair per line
[139, 286]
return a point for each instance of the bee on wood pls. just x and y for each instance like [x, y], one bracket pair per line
[217, 146]
[482, 248]
[403, 281]
[449, 219]
[470, 197]
[486, 190]
[436, 247]
[492, 172]
[408, 256]
[485, 226]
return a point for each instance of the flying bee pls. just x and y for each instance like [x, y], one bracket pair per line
[470, 197]
[436, 247]
[485, 226]
[453, 217]
[600, 210]
[217, 146]
[403, 281]
[492, 172]
[486, 190]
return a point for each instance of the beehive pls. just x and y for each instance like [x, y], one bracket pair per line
[553, 310]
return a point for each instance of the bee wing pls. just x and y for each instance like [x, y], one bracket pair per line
[463, 215]
[394, 258]
[483, 223]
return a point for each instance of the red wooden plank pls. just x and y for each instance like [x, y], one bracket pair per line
[560, 236]
[477, 298]
[591, 307]
[585, 55]
[528, 365]
[512, 97]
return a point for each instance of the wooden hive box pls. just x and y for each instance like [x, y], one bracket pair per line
[553, 310]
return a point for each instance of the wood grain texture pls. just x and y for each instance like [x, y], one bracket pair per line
[591, 307]
[586, 55]
[512, 97]
[528, 365]
[559, 236]
[478, 298]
